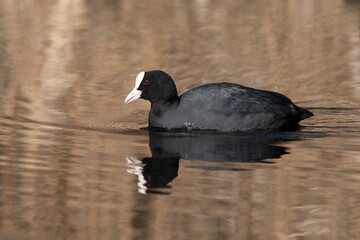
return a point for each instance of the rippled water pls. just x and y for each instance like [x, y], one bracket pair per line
[75, 163]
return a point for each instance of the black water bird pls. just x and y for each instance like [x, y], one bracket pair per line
[225, 107]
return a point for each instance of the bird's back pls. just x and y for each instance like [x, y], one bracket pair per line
[242, 108]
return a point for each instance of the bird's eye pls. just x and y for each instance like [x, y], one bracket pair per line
[146, 82]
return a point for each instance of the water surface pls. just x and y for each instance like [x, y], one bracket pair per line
[75, 163]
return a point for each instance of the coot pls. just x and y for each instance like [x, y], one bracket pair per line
[216, 106]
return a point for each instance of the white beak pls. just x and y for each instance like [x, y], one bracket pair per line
[133, 95]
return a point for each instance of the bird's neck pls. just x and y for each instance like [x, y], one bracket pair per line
[158, 107]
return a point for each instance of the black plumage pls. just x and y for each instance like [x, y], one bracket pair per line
[215, 106]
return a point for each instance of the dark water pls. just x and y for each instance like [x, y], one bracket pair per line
[74, 163]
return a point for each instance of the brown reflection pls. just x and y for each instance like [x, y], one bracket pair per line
[66, 66]
[76, 62]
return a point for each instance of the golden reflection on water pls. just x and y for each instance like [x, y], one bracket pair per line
[66, 67]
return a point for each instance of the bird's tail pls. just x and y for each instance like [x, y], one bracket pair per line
[303, 113]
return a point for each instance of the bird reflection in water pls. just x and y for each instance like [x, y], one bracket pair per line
[153, 173]
[168, 148]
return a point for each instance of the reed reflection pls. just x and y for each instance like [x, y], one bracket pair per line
[168, 148]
